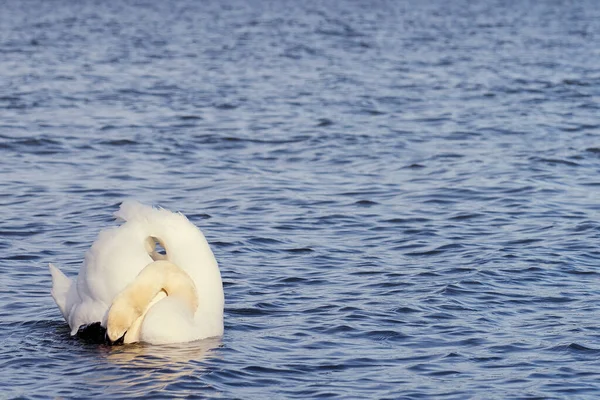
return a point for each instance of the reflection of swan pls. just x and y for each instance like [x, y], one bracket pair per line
[171, 370]
[160, 356]
[155, 298]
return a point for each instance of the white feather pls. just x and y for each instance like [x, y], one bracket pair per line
[117, 257]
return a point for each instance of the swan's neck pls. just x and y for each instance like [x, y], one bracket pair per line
[190, 251]
[133, 333]
[129, 307]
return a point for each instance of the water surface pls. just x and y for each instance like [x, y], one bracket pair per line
[402, 197]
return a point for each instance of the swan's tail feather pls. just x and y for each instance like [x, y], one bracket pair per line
[131, 209]
[134, 210]
[156, 220]
[60, 288]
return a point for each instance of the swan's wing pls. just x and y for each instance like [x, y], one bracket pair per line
[60, 289]
[76, 309]
[113, 261]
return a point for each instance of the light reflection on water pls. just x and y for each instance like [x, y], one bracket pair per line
[150, 368]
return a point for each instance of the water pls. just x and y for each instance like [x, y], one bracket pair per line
[402, 197]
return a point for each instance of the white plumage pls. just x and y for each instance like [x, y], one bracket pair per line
[117, 257]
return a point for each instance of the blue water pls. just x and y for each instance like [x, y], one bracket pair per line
[403, 196]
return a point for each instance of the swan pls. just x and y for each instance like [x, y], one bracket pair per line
[135, 293]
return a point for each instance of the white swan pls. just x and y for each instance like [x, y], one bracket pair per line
[138, 294]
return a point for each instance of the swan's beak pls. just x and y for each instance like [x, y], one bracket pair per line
[116, 342]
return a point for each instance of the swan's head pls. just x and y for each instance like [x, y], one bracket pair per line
[156, 281]
[120, 318]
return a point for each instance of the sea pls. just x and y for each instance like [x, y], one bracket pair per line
[403, 196]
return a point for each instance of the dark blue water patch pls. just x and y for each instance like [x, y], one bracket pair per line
[32, 145]
[300, 250]
[324, 122]
[190, 117]
[554, 161]
[118, 142]
[20, 231]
